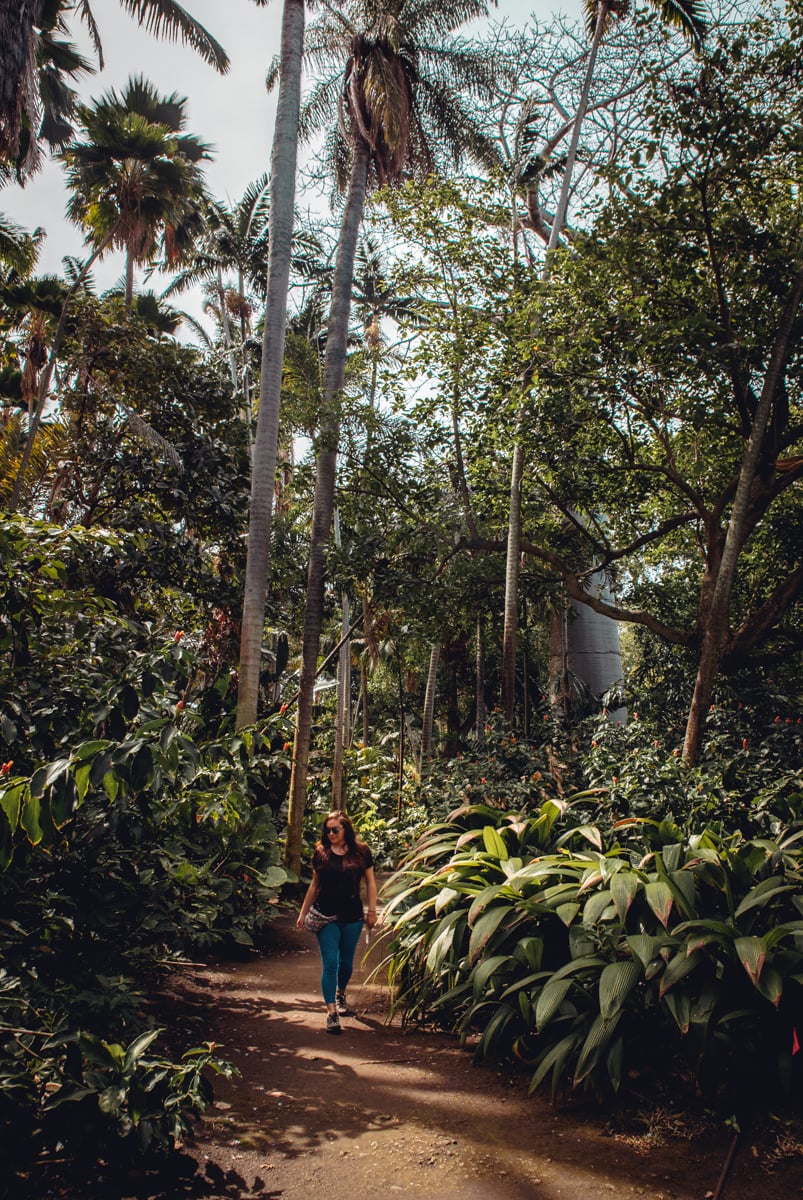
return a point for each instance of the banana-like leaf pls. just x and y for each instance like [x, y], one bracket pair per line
[660, 899]
[625, 885]
[555, 1061]
[596, 907]
[549, 1001]
[481, 976]
[645, 948]
[481, 902]
[679, 1004]
[615, 984]
[486, 927]
[445, 897]
[599, 1037]
[763, 892]
[752, 954]
[679, 967]
[493, 843]
[771, 985]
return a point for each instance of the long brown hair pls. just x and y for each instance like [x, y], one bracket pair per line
[355, 849]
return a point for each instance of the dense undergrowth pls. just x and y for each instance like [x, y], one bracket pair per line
[643, 923]
[135, 829]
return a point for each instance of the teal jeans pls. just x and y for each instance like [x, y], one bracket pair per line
[337, 942]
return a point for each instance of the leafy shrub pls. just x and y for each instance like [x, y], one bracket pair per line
[588, 954]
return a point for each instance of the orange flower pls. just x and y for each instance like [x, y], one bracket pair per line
[287, 746]
[178, 635]
[180, 706]
[282, 710]
[5, 769]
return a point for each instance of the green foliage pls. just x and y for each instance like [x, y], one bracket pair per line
[590, 950]
[135, 827]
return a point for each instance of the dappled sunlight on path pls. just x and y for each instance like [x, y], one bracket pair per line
[382, 1111]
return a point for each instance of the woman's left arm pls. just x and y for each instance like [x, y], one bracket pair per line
[370, 888]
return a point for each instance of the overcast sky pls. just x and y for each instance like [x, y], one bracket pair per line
[233, 112]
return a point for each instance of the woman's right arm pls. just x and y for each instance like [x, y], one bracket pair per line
[309, 899]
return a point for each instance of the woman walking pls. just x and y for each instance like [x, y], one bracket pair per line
[333, 908]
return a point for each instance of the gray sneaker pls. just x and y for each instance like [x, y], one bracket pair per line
[333, 1023]
[341, 1003]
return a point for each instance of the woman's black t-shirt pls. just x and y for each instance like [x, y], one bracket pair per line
[339, 877]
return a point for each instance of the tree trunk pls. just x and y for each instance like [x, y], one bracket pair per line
[429, 705]
[323, 507]
[562, 209]
[343, 704]
[480, 714]
[282, 202]
[514, 521]
[509, 636]
[715, 619]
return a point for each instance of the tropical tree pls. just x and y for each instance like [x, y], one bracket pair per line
[136, 179]
[38, 65]
[284, 157]
[691, 364]
[687, 16]
[401, 107]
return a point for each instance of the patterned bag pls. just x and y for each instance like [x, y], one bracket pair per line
[315, 920]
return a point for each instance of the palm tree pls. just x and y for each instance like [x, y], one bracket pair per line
[266, 442]
[685, 15]
[136, 179]
[37, 65]
[401, 108]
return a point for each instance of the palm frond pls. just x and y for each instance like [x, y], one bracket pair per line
[166, 18]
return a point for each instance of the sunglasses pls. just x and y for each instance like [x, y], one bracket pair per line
[333, 828]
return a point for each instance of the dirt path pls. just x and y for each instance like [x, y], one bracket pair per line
[380, 1112]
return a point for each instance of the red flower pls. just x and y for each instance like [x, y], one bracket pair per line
[180, 706]
[744, 743]
[178, 635]
[5, 769]
[282, 710]
[287, 746]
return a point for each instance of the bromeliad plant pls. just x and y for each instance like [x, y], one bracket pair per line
[588, 955]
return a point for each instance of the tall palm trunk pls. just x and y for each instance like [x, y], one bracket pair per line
[323, 506]
[282, 202]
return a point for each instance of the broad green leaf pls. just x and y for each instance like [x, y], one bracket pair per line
[679, 1004]
[29, 818]
[482, 974]
[624, 886]
[481, 902]
[493, 843]
[645, 948]
[555, 1060]
[678, 968]
[615, 984]
[660, 899]
[599, 1036]
[596, 907]
[771, 985]
[763, 892]
[111, 785]
[444, 898]
[11, 801]
[752, 954]
[484, 929]
[567, 912]
[549, 1001]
